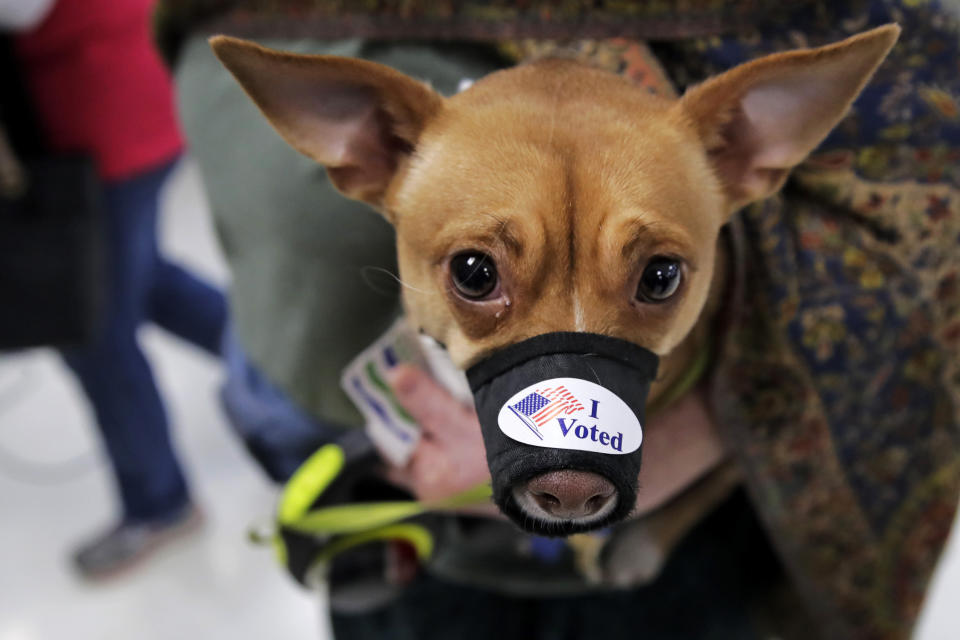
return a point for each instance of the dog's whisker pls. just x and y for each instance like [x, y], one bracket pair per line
[364, 271]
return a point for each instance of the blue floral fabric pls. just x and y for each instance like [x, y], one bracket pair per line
[840, 378]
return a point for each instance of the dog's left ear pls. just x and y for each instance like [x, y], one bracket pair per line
[762, 118]
[358, 118]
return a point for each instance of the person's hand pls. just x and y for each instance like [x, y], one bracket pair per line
[450, 456]
[680, 444]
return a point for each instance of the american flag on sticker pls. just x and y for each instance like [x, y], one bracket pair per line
[544, 404]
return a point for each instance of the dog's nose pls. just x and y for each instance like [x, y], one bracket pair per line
[572, 495]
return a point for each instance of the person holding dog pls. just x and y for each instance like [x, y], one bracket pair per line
[831, 471]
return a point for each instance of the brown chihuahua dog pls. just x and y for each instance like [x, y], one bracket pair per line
[556, 199]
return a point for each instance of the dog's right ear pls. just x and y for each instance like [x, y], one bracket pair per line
[357, 118]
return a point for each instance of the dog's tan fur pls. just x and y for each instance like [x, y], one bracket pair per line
[570, 178]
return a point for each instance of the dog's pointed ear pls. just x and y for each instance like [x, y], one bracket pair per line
[355, 117]
[762, 118]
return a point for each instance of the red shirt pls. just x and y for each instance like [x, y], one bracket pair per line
[98, 85]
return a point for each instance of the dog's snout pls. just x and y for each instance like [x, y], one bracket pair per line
[573, 495]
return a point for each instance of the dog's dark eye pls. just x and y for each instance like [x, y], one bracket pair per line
[473, 274]
[659, 281]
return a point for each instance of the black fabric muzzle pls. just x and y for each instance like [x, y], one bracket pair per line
[563, 401]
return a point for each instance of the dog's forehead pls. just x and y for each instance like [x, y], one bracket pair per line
[559, 81]
[542, 138]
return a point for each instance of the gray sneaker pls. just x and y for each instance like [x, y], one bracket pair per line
[129, 543]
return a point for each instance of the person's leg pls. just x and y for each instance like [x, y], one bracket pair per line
[187, 306]
[113, 371]
[277, 433]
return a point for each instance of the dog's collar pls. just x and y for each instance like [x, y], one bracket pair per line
[687, 381]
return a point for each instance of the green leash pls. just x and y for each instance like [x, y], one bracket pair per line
[354, 518]
[334, 529]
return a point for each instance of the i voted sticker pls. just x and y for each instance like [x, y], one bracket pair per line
[570, 413]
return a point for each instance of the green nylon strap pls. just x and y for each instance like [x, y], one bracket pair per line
[361, 522]
[419, 537]
[354, 518]
[308, 482]
[280, 550]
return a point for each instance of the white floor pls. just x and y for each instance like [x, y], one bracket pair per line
[54, 490]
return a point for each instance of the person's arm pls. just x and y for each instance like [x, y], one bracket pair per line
[23, 15]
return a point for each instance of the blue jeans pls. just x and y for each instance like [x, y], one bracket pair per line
[278, 434]
[143, 286]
